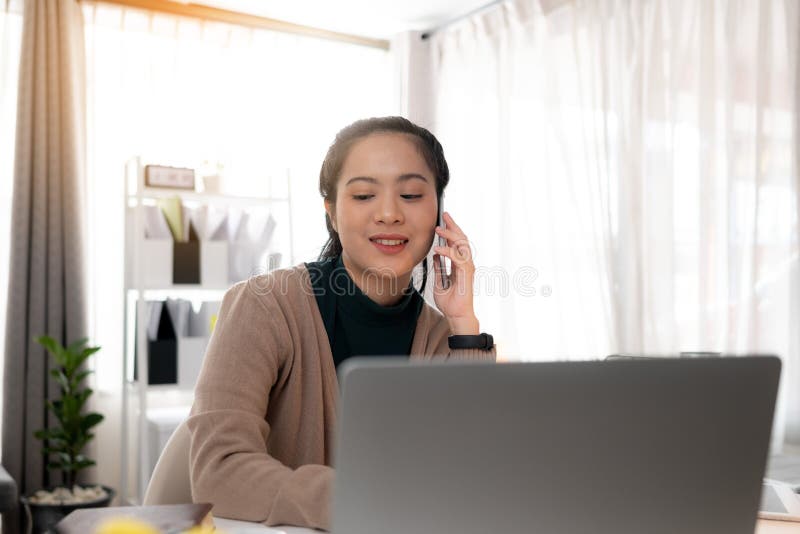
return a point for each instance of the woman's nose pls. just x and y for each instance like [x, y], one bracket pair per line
[389, 211]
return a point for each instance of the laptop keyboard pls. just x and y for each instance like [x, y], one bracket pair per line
[770, 502]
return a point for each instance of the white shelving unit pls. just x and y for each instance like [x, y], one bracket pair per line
[138, 397]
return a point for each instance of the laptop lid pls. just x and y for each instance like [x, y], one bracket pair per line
[614, 447]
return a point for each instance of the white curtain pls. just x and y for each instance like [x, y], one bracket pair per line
[181, 91]
[637, 161]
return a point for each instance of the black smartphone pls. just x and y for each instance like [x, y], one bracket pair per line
[442, 243]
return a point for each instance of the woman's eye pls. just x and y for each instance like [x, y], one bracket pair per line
[367, 197]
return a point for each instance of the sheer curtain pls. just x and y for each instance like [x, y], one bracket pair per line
[639, 159]
[182, 91]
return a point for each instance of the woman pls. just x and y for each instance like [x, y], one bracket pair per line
[264, 414]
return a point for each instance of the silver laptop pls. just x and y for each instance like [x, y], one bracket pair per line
[612, 447]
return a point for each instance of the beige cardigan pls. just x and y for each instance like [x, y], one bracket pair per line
[264, 413]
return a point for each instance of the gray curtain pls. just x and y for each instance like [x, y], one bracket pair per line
[46, 293]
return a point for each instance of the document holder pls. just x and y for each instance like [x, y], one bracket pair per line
[186, 260]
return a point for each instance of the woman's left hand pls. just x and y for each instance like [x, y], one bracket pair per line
[455, 302]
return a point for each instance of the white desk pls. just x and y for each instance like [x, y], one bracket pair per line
[777, 527]
[229, 526]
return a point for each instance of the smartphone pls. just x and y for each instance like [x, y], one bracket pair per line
[442, 243]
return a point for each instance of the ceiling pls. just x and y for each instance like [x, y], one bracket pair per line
[369, 18]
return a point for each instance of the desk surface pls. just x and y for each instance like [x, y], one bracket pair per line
[777, 527]
[229, 526]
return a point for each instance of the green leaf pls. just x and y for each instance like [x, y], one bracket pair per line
[50, 434]
[52, 450]
[69, 407]
[78, 345]
[82, 396]
[61, 421]
[91, 420]
[79, 359]
[54, 465]
[41, 434]
[59, 414]
[81, 461]
[47, 342]
[61, 378]
[54, 348]
[84, 464]
[85, 438]
[76, 380]
[55, 409]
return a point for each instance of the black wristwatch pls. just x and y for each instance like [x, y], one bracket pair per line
[481, 341]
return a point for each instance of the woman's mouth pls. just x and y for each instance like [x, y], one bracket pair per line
[389, 246]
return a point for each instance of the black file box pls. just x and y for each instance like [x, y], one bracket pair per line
[162, 361]
[162, 353]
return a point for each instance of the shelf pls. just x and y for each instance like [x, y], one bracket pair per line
[205, 198]
[141, 403]
[155, 389]
[160, 396]
[181, 289]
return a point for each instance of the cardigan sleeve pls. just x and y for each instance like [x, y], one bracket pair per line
[229, 459]
[437, 337]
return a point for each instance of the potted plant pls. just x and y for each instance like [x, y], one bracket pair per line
[63, 444]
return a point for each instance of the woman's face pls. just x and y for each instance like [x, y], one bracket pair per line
[385, 208]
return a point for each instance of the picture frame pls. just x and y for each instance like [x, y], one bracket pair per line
[169, 177]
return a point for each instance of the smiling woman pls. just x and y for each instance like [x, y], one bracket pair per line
[264, 415]
[387, 186]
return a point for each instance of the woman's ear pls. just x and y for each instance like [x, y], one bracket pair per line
[329, 209]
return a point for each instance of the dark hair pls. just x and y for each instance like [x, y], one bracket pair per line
[427, 144]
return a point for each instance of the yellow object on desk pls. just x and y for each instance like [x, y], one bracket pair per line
[126, 525]
[155, 519]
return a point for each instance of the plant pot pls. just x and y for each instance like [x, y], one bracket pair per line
[43, 517]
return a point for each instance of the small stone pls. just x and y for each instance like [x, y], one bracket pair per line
[63, 495]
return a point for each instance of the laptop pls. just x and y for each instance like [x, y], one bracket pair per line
[602, 447]
[779, 500]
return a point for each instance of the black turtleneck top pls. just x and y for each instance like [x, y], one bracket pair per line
[356, 325]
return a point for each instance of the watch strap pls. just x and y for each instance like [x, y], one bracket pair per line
[481, 341]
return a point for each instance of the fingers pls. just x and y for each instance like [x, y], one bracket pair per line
[458, 247]
[460, 254]
[448, 220]
[437, 271]
[447, 233]
[456, 240]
